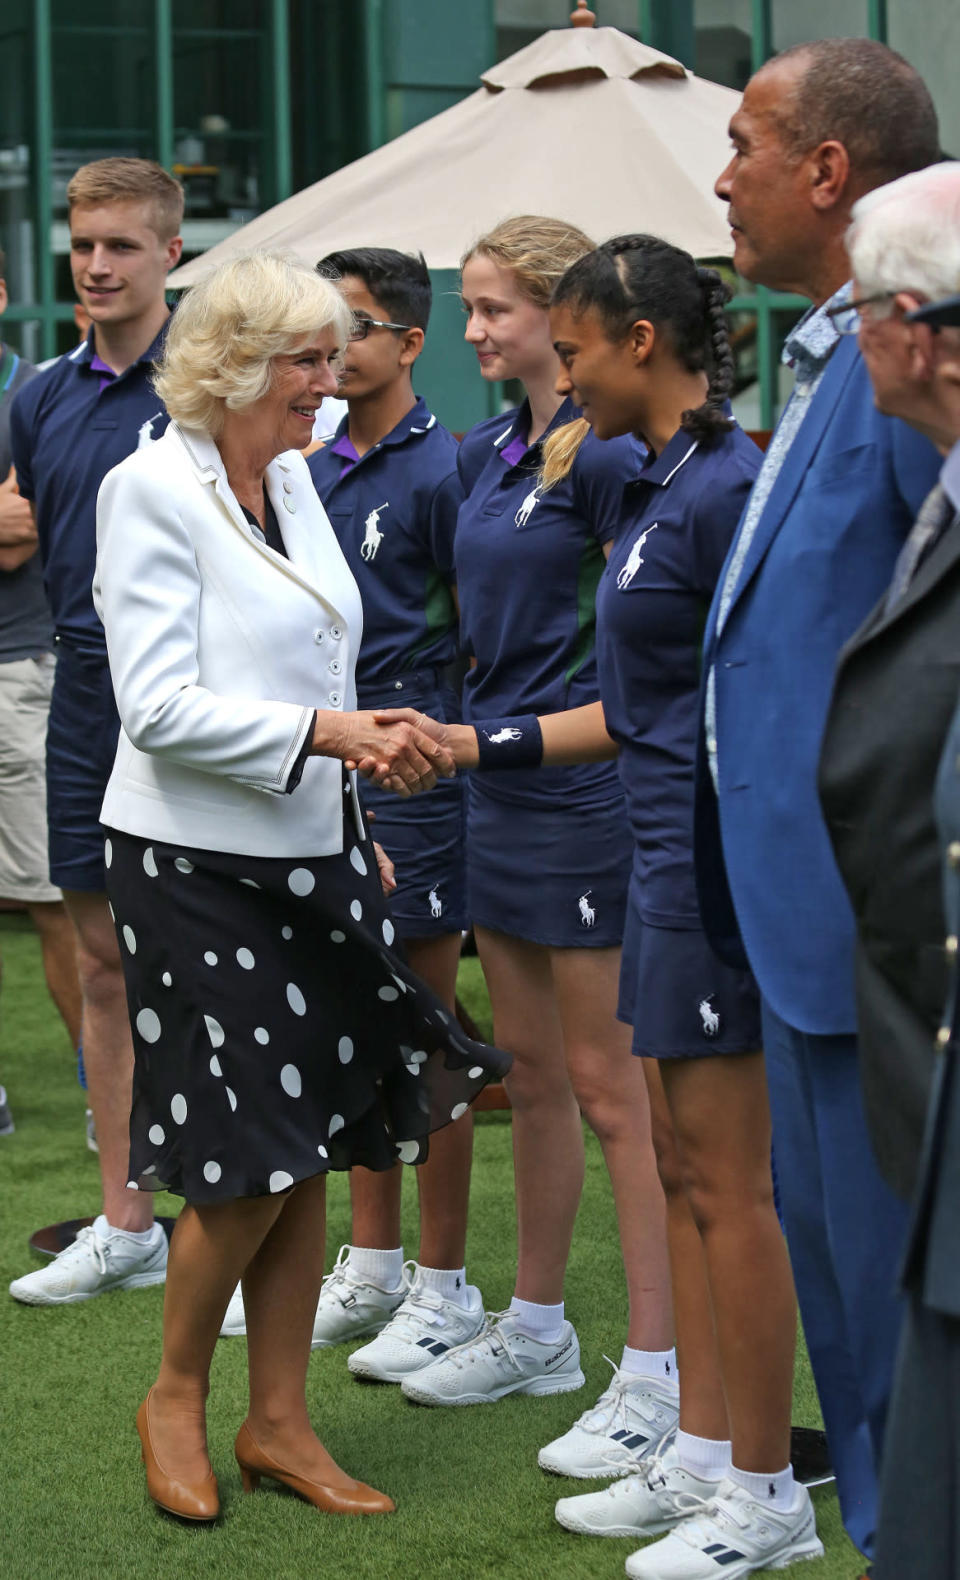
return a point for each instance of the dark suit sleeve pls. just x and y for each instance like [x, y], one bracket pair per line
[916, 465]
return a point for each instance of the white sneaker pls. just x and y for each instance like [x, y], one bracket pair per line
[631, 1421]
[350, 1306]
[734, 1535]
[653, 1500]
[90, 1265]
[424, 1327]
[234, 1325]
[501, 1360]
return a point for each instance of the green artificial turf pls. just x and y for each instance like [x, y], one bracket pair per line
[471, 1499]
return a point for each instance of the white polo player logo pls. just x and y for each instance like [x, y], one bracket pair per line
[436, 904]
[372, 536]
[588, 915]
[508, 733]
[145, 431]
[709, 1017]
[528, 507]
[634, 559]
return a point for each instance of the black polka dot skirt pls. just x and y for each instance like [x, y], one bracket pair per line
[277, 1030]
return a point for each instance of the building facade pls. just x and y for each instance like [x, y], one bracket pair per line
[250, 100]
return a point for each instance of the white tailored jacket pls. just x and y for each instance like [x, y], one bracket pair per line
[220, 649]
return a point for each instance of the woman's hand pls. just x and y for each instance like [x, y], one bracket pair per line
[460, 740]
[394, 752]
[386, 870]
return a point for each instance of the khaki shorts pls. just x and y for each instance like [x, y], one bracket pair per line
[25, 687]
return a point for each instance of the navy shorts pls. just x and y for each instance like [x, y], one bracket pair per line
[81, 745]
[423, 835]
[554, 875]
[680, 999]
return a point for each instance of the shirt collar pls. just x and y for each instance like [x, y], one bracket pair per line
[520, 426]
[419, 419]
[950, 476]
[662, 468]
[811, 342]
[86, 352]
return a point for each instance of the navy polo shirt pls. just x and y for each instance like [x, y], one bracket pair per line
[394, 512]
[679, 518]
[528, 563]
[68, 427]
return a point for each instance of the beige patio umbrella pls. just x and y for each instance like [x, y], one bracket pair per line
[585, 123]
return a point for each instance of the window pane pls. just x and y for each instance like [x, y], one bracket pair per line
[519, 22]
[723, 30]
[103, 85]
[933, 50]
[16, 138]
[221, 76]
[798, 24]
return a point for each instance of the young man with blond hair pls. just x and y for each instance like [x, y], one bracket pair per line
[69, 427]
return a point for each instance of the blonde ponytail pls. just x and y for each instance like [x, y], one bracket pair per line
[560, 451]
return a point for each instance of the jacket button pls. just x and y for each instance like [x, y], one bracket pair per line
[951, 945]
[943, 1036]
[336, 667]
[953, 853]
[336, 633]
[289, 504]
[318, 636]
[287, 486]
[335, 699]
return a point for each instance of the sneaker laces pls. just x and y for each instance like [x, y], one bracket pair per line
[715, 1516]
[343, 1281]
[87, 1243]
[610, 1410]
[419, 1305]
[490, 1343]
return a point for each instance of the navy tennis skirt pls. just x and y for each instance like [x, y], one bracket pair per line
[551, 875]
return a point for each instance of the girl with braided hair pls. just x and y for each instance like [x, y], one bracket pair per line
[641, 337]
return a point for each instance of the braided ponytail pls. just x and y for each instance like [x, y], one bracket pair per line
[710, 418]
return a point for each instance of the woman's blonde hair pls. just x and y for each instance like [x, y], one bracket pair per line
[228, 329]
[537, 252]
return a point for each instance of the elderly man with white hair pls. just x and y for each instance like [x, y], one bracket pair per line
[898, 677]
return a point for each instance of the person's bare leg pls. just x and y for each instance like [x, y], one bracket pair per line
[280, 1289]
[58, 945]
[107, 1056]
[703, 1408]
[610, 1088]
[209, 1249]
[444, 1180]
[722, 1122]
[547, 1132]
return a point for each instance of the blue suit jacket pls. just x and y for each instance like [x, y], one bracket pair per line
[823, 552]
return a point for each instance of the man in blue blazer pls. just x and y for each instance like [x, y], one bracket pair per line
[837, 494]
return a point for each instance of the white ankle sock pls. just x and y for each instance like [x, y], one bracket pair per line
[661, 1364]
[450, 1283]
[776, 1491]
[706, 1457]
[383, 1268]
[104, 1230]
[538, 1322]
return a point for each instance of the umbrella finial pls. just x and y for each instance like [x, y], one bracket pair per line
[581, 17]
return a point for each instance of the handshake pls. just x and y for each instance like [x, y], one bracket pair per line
[397, 748]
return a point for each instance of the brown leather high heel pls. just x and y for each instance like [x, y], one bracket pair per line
[358, 1498]
[198, 1500]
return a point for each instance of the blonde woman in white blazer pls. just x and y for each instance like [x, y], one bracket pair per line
[277, 1034]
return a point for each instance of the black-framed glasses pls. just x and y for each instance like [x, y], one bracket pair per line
[846, 318]
[362, 327]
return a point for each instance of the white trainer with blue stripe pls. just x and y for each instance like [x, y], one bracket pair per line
[501, 1360]
[422, 1329]
[733, 1535]
[633, 1418]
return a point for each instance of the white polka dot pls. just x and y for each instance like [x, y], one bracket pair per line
[323, 1151]
[336, 1123]
[417, 1056]
[113, 914]
[132, 1185]
[413, 1069]
[130, 938]
[337, 937]
[167, 979]
[148, 1025]
[280, 1180]
[290, 1080]
[458, 1110]
[399, 981]
[443, 1017]
[296, 999]
[475, 1073]
[301, 881]
[151, 1170]
[245, 959]
[286, 932]
[389, 931]
[210, 957]
[409, 1151]
[178, 1108]
[157, 1135]
[388, 994]
[250, 883]
[262, 1035]
[107, 852]
[149, 862]
[216, 1067]
[211, 1172]
[345, 1050]
[182, 864]
[356, 910]
[231, 1098]
[357, 862]
[214, 1031]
